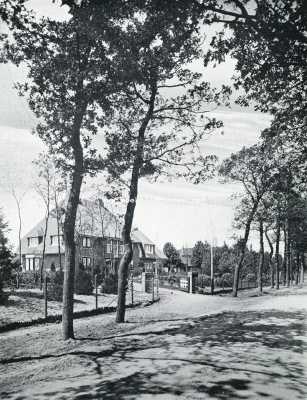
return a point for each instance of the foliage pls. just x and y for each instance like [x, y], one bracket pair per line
[7, 265]
[83, 283]
[55, 285]
[110, 284]
[268, 42]
[172, 254]
[198, 254]
[29, 279]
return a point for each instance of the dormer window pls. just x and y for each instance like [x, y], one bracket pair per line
[86, 241]
[149, 248]
[54, 241]
[33, 241]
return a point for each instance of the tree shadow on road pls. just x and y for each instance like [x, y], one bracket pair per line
[227, 356]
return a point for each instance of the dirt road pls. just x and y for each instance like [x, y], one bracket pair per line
[185, 347]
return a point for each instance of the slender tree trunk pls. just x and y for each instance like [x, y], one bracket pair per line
[70, 224]
[128, 219]
[58, 227]
[243, 248]
[18, 200]
[287, 253]
[277, 252]
[271, 258]
[44, 245]
[302, 268]
[261, 257]
[297, 272]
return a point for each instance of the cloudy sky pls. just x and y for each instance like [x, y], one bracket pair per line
[170, 211]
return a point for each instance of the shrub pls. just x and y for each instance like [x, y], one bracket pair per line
[227, 279]
[83, 284]
[110, 284]
[55, 285]
[29, 279]
[3, 295]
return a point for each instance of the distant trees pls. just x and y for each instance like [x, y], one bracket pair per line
[6, 258]
[255, 170]
[172, 254]
[198, 254]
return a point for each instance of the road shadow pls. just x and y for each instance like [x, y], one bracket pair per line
[242, 355]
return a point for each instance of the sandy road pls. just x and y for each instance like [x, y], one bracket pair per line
[185, 346]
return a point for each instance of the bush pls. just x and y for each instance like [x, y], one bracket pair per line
[55, 285]
[110, 284]
[29, 279]
[227, 279]
[3, 295]
[84, 284]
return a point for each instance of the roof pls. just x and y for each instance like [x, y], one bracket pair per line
[160, 254]
[92, 220]
[139, 237]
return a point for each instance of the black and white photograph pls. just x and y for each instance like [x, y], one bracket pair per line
[153, 199]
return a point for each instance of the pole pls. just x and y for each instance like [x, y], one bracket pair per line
[96, 291]
[45, 296]
[211, 264]
[153, 287]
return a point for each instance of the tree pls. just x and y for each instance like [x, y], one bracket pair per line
[6, 258]
[268, 42]
[198, 254]
[172, 254]
[151, 130]
[43, 188]
[68, 80]
[252, 168]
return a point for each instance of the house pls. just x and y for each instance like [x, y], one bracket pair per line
[146, 254]
[98, 242]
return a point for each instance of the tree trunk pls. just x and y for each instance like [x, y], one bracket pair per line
[44, 246]
[128, 219]
[271, 258]
[19, 235]
[297, 272]
[302, 268]
[243, 248]
[70, 223]
[287, 246]
[277, 252]
[261, 256]
[58, 227]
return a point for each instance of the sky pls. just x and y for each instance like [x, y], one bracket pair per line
[174, 211]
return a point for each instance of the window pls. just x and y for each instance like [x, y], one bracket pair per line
[86, 242]
[149, 248]
[109, 247]
[54, 240]
[116, 249]
[86, 261]
[121, 249]
[32, 263]
[33, 241]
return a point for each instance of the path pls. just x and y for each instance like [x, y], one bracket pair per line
[248, 348]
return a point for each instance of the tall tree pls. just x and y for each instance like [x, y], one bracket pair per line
[255, 171]
[151, 129]
[69, 78]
